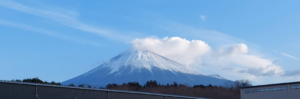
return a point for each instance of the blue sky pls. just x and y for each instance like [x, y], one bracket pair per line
[57, 40]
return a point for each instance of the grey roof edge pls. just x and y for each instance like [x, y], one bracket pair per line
[272, 84]
[107, 90]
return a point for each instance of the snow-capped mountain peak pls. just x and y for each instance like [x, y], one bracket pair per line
[139, 59]
[142, 66]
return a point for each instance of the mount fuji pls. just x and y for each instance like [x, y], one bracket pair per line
[142, 66]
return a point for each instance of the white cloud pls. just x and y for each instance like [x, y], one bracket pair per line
[50, 33]
[290, 56]
[175, 48]
[203, 18]
[231, 62]
[231, 57]
[65, 17]
[237, 55]
[292, 73]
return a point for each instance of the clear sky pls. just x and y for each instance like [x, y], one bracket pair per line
[56, 40]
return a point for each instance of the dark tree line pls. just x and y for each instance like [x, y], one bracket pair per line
[37, 80]
[231, 90]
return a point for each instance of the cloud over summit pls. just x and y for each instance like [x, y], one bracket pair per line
[175, 48]
[195, 53]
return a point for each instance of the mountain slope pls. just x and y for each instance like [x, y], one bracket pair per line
[142, 66]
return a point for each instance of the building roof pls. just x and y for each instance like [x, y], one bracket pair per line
[85, 88]
[272, 84]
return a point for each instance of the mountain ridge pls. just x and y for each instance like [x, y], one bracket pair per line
[141, 66]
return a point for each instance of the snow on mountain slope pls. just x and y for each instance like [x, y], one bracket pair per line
[145, 59]
[141, 66]
[216, 76]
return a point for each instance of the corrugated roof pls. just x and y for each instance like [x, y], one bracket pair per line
[271, 84]
[121, 91]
